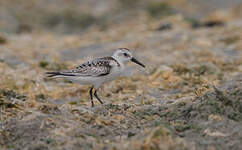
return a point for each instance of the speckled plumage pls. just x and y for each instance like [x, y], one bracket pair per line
[97, 67]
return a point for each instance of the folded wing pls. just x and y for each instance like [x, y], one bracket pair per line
[98, 67]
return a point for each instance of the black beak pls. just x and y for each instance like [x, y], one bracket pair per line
[137, 62]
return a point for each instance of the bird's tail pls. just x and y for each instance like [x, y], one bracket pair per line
[57, 74]
[53, 74]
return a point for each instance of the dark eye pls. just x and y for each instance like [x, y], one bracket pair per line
[126, 55]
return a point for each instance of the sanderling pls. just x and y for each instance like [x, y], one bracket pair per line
[98, 71]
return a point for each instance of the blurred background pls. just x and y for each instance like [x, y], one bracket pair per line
[188, 97]
[76, 16]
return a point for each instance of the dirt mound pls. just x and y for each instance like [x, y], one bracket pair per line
[210, 120]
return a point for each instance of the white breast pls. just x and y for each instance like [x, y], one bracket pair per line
[116, 72]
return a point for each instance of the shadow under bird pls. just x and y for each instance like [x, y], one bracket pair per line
[98, 71]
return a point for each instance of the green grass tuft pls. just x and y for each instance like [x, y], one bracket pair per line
[160, 9]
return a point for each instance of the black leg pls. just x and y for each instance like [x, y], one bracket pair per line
[95, 94]
[90, 92]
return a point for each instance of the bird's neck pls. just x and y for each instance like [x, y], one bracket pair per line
[120, 62]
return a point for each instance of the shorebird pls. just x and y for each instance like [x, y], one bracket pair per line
[98, 71]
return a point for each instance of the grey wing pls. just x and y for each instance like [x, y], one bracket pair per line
[98, 67]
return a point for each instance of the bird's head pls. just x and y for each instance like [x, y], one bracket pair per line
[124, 55]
